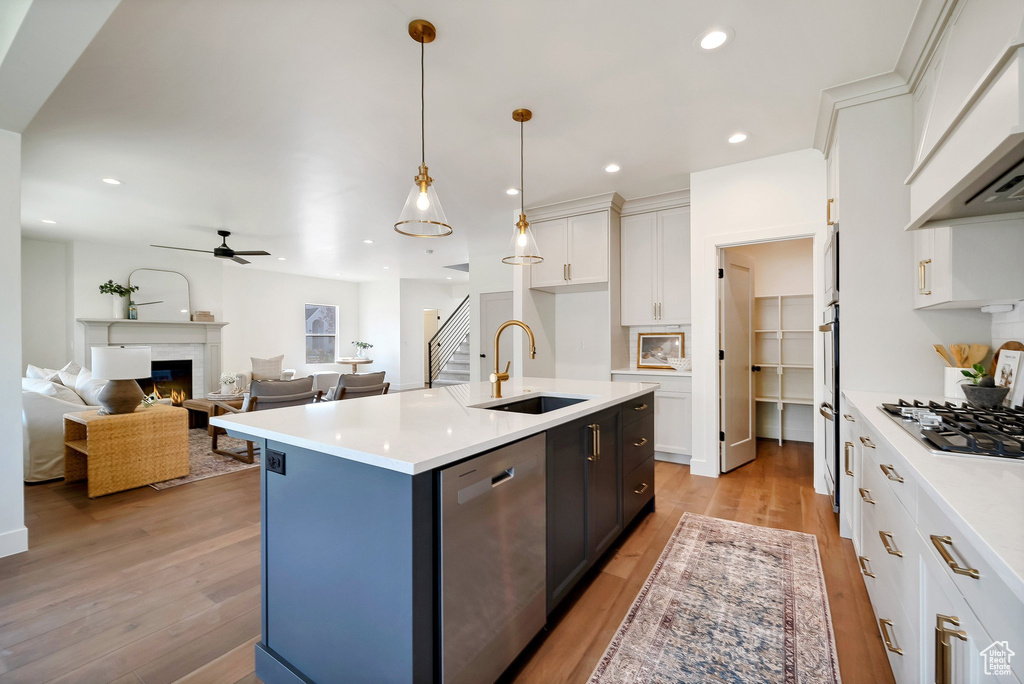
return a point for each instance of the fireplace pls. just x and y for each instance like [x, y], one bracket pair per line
[170, 380]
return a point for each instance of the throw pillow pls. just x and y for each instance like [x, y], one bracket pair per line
[37, 373]
[88, 388]
[69, 373]
[267, 369]
[51, 389]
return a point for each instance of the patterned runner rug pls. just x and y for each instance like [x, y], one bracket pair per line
[727, 602]
[203, 463]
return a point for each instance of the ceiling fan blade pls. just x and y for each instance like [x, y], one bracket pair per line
[238, 259]
[185, 249]
[259, 253]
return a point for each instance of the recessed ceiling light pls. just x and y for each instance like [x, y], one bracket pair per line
[281, 259]
[737, 138]
[387, 268]
[512, 191]
[447, 277]
[714, 38]
[367, 242]
[612, 168]
[337, 274]
[113, 181]
[50, 221]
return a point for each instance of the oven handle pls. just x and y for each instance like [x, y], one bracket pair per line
[826, 410]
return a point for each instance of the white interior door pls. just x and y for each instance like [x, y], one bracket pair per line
[495, 309]
[429, 330]
[736, 307]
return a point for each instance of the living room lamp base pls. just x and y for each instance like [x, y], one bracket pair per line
[119, 396]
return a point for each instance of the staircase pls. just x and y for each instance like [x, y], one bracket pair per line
[448, 349]
[456, 371]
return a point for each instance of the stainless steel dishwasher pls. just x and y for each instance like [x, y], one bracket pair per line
[493, 560]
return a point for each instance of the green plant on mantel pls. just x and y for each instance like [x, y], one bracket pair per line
[979, 377]
[112, 288]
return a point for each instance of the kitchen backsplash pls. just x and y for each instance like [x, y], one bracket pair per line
[685, 329]
[1007, 326]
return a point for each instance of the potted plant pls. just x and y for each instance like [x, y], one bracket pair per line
[981, 391]
[227, 383]
[361, 348]
[119, 292]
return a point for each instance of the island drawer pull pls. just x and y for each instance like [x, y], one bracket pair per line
[643, 488]
[640, 407]
[595, 453]
[867, 442]
[940, 543]
[866, 495]
[887, 542]
[850, 418]
[886, 625]
[890, 472]
[642, 442]
[944, 649]
[847, 448]
[863, 567]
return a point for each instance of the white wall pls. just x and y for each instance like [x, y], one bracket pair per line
[380, 324]
[582, 344]
[415, 296]
[781, 267]
[486, 274]
[267, 316]
[13, 535]
[1008, 326]
[45, 331]
[770, 198]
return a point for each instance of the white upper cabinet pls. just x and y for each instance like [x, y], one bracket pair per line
[656, 268]
[967, 263]
[575, 251]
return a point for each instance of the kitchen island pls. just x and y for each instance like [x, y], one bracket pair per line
[425, 536]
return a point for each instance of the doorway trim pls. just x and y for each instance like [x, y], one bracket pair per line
[706, 334]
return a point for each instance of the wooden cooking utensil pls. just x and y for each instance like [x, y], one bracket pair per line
[1011, 346]
[975, 354]
[958, 351]
[941, 351]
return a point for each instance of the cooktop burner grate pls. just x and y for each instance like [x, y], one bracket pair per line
[962, 428]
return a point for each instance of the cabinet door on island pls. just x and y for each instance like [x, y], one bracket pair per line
[604, 503]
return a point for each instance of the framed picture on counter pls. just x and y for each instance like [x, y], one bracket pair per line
[1007, 374]
[653, 350]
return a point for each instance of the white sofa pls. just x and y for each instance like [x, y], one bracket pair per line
[43, 405]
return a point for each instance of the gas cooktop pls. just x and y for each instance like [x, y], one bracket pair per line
[949, 428]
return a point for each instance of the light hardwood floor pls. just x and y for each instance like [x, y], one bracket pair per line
[158, 587]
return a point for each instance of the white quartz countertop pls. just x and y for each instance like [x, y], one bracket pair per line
[413, 432]
[986, 494]
[664, 372]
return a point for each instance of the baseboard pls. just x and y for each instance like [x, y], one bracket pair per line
[681, 459]
[14, 541]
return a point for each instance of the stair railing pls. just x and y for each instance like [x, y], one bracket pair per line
[446, 341]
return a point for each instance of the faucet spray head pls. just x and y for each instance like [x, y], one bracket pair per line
[533, 352]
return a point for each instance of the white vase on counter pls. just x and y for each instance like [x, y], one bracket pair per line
[118, 312]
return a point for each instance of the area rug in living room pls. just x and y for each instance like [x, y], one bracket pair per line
[727, 602]
[203, 463]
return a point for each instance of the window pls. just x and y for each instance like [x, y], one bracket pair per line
[321, 333]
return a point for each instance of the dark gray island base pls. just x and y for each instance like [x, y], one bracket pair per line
[352, 553]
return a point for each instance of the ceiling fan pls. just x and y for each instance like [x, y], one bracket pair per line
[222, 252]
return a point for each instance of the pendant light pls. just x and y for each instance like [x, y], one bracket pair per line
[422, 215]
[523, 248]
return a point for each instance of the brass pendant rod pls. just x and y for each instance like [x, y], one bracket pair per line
[423, 108]
[522, 185]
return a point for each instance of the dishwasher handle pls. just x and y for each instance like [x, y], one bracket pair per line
[503, 477]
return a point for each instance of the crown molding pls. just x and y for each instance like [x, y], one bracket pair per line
[609, 201]
[649, 203]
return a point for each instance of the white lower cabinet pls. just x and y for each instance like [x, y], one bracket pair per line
[673, 407]
[937, 604]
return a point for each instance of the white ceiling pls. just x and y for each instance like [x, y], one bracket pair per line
[296, 124]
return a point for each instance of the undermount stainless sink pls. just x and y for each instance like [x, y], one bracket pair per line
[536, 405]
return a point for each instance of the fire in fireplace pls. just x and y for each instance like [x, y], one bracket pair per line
[170, 380]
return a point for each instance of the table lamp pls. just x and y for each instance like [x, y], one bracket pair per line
[120, 366]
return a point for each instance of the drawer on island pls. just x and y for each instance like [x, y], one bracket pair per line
[637, 490]
[637, 443]
[637, 409]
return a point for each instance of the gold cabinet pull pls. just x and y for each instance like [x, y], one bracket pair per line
[867, 442]
[850, 418]
[643, 488]
[654, 310]
[866, 495]
[642, 442]
[641, 407]
[828, 211]
[922, 277]
[940, 543]
[595, 447]
[887, 542]
[847, 448]
[863, 560]
[565, 271]
[944, 649]
[890, 472]
[570, 271]
[886, 625]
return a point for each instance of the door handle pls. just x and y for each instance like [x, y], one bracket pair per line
[483, 356]
[887, 542]
[922, 277]
[944, 649]
[847, 448]
[828, 212]
[886, 625]
[826, 411]
[940, 543]
[570, 271]
[595, 444]
[755, 369]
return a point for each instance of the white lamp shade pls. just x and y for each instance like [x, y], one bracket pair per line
[121, 363]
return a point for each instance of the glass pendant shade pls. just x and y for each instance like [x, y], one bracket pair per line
[422, 215]
[523, 248]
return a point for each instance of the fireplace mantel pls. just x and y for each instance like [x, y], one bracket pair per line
[103, 332]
